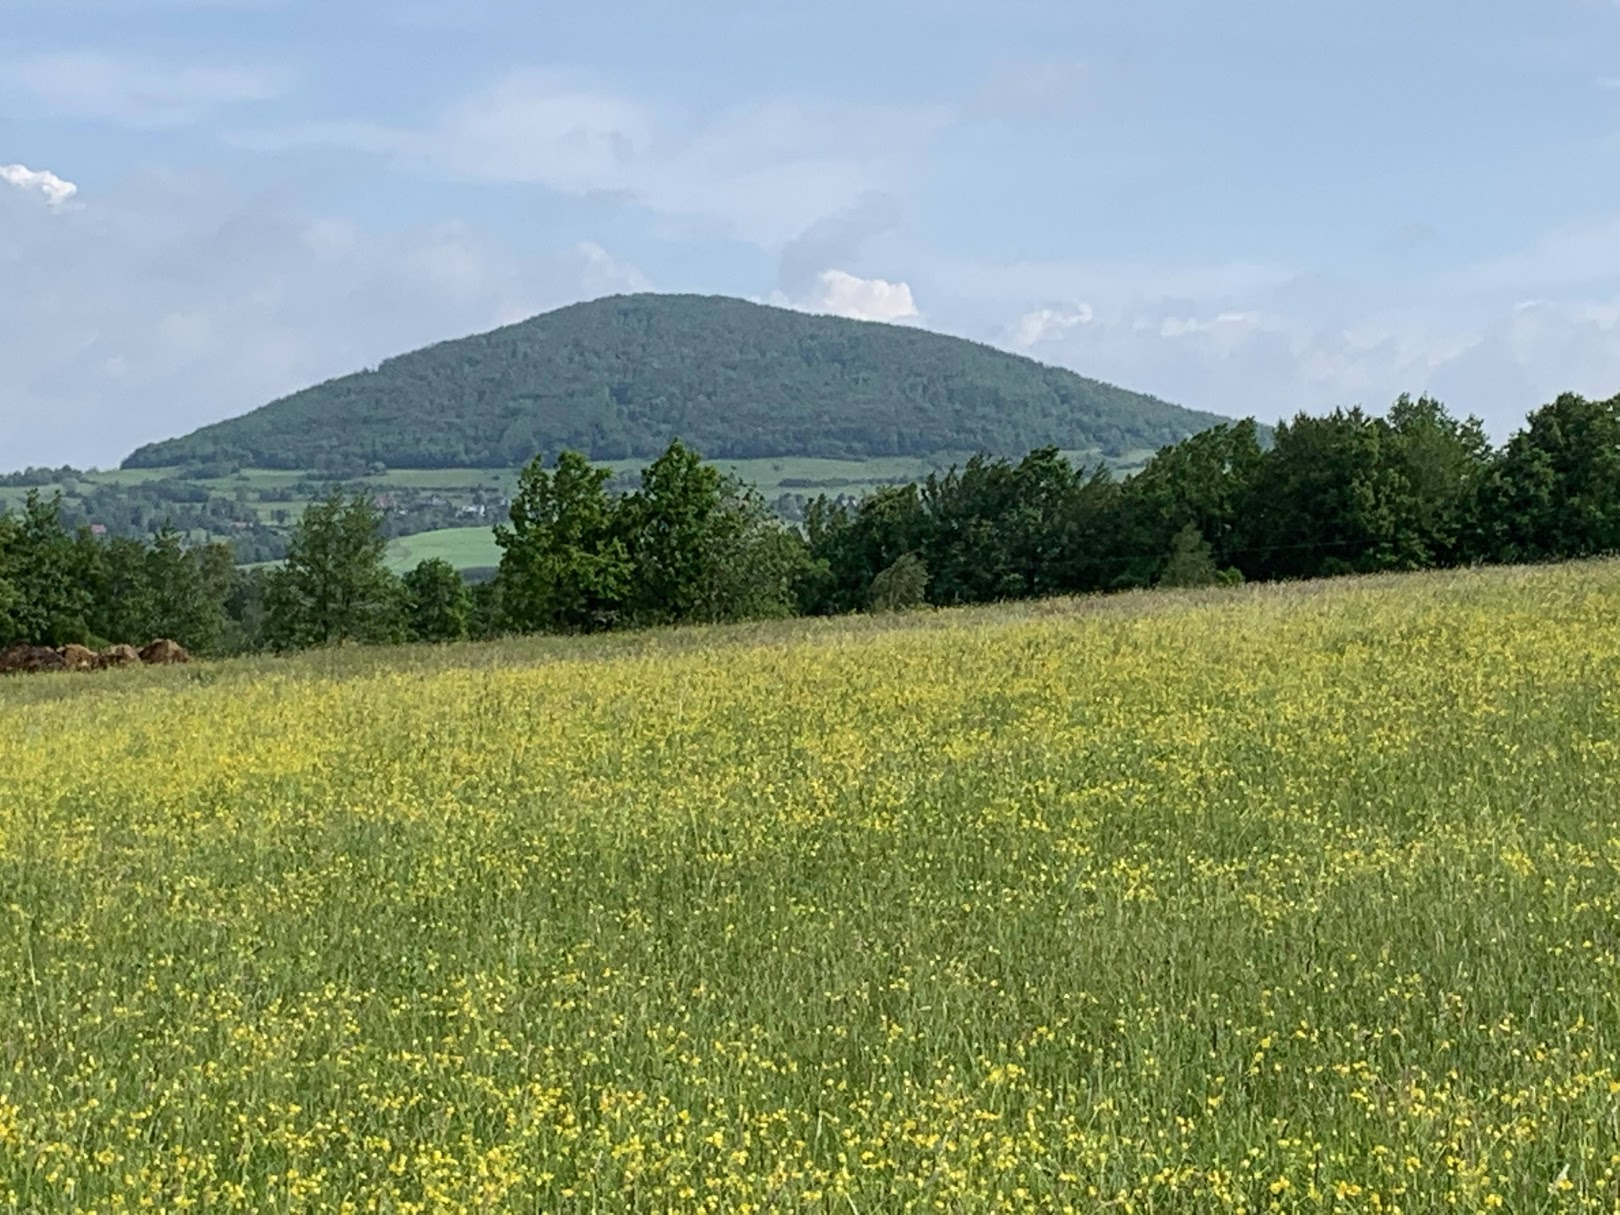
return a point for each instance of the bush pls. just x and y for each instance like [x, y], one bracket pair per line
[1191, 562]
[901, 586]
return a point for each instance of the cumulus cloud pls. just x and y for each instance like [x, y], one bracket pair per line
[55, 189]
[839, 293]
[172, 303]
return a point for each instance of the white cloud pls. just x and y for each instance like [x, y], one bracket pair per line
[542, 130]
[1225, 324]
[138, 92]
[1046, 324]
[839, 293]
[172, 303]
[55, 189]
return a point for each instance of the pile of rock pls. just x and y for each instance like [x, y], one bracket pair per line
[35, 659]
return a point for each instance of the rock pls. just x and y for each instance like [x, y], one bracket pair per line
[164, 653]
[118, 656]
[77, 657]
[30, 659]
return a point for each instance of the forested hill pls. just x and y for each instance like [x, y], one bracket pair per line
[618, 378]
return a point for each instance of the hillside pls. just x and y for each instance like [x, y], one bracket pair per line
[618, 378]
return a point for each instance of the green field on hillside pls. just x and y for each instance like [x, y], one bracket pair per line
[466, 548]
[1298, 897]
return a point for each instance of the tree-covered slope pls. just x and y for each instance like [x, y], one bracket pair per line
[618, 378]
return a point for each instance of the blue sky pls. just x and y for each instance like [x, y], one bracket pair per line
[1254, 207]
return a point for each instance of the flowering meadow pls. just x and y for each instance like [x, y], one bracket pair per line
[1276, 898]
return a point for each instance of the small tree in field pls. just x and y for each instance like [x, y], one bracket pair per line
[900, 586]
[1191, 562]
[334, 585]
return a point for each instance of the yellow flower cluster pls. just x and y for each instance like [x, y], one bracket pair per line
[1298, 898]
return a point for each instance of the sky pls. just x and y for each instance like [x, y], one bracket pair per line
[1255, 207]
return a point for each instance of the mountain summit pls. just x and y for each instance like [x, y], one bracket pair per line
[618, 378]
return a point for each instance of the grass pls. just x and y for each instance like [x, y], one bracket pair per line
[463, 547]
[1277, 898]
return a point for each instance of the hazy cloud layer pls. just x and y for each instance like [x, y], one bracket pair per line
[1218, 354]
[765, 172]
[136, 91]
[166, 306]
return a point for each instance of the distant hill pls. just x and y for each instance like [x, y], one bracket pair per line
[618, 378]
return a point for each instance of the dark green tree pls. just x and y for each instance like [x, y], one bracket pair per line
[973, 520]
[850, 543]
[438, 602]
[10, 599]
[122, 591]
[1207, 482]
[564, 564]
[1439, 465]
[704, 547]
[334, 585]
[754, 564]
[669, 525]
[188, 590]
[50, 574]
[1328, 499]
[488, 619]
[247, 627]
[1555, 490]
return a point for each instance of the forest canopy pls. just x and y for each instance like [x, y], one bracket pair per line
[620, 378]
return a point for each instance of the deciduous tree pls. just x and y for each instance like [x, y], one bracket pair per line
[334, 585]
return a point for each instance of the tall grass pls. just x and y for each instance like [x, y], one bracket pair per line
[1299, 898]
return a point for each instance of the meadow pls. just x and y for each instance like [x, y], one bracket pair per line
[1275, 898]
[466, 548]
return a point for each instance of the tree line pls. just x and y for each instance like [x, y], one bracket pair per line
[1343, 493]
[1347, 492]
